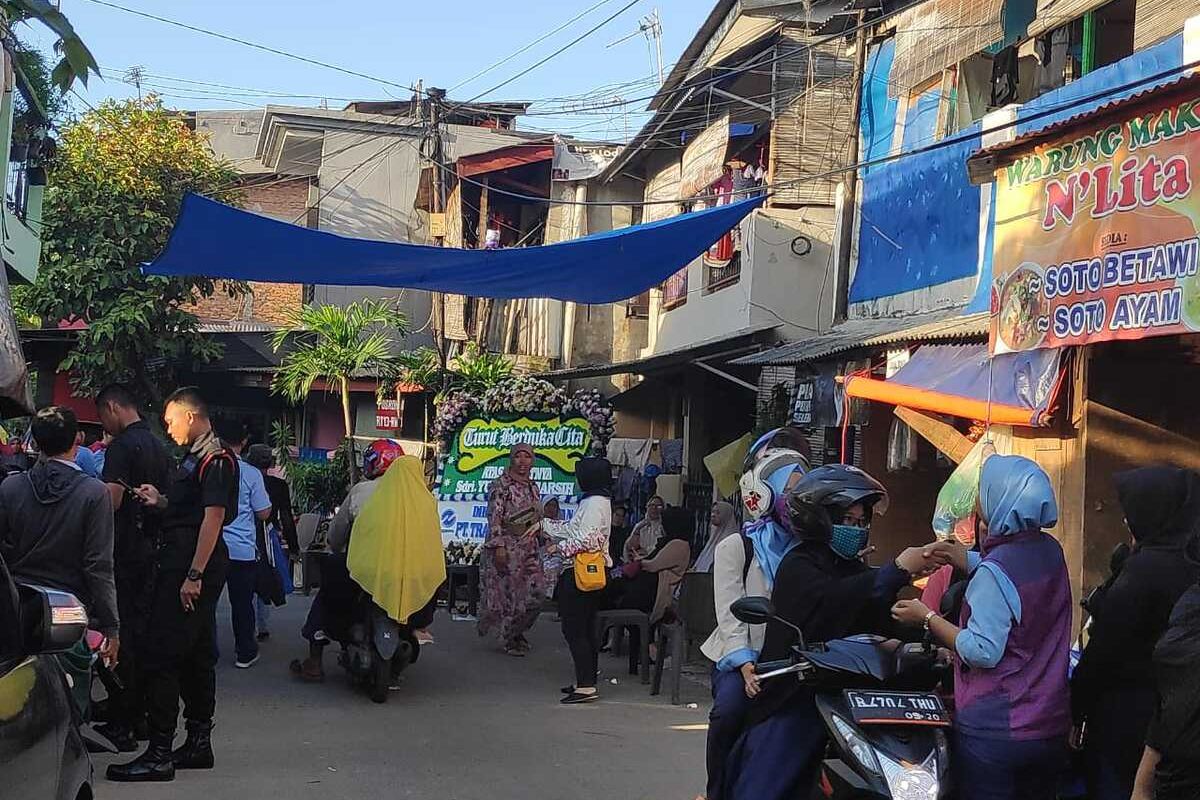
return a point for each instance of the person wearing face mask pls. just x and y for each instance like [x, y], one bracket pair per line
[744, 564]
[1012, 640]
[822, 586]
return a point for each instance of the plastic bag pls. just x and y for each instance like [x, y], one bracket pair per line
[954, 513]
[902, 447]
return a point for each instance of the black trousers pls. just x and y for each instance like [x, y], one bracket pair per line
[578, 612]
[179, 653]
[129, 706]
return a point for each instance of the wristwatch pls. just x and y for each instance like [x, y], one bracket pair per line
[194, 575]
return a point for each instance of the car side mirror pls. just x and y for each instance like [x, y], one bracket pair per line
[52, 621]
[753, 610]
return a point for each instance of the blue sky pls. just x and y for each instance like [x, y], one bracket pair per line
[442, 43]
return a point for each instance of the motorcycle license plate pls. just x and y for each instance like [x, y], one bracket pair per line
[896, 708]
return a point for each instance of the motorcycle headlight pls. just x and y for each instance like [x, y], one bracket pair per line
[911, 782]
[859, 747]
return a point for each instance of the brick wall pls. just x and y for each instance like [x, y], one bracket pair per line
[267, 302]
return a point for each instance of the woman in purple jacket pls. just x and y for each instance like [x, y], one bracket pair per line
[1013, 641]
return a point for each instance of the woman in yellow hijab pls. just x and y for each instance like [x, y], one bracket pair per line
[395, 551]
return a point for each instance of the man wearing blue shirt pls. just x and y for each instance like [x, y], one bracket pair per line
[242, 541]
[85, 459]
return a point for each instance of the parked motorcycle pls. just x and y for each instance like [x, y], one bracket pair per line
[887, 726]
[377, 649]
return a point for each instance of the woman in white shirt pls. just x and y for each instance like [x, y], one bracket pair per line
[586, 532]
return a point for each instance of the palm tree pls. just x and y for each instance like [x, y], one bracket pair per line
[336, 343]
[77, 61]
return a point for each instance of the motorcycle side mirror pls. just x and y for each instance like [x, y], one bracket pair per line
[753, 610]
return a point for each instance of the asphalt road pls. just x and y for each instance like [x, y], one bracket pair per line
[468, 723]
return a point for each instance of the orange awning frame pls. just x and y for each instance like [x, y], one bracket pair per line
[939, 403]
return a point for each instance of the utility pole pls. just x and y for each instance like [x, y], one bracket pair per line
[135, 75]
[841, 300]
[649, 26]
[436, 98]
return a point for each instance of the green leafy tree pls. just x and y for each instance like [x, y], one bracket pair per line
[48, 102]
[77, 62]
[336, 344]
[473, 371]
[115, 188]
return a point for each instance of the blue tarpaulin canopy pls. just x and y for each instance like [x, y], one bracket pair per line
[219, 241]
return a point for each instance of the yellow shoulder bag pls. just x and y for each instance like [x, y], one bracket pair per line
[590, 573]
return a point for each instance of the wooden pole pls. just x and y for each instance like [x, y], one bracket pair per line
[439, 203]
[841, 300]
[484, 317]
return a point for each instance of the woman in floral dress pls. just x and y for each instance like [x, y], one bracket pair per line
[512, 576]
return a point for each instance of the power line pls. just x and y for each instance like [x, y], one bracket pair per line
[255, 45]
[531, 45]
[945, 142]
[557, 52]
[860, 165]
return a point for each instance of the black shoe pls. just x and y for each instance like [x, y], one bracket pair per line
[262, 636]
[567, 689]
[196, 752]
[121, 737]
[579, 697]
[154, 765]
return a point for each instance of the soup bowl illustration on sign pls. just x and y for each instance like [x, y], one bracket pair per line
[1021, 305]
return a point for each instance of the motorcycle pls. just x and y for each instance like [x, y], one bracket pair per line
[887, 726]
[377, 649]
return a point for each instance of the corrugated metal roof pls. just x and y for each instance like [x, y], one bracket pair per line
[961, 328]
[741, 339]
[236, 326]
[983, 163]
[857, 334]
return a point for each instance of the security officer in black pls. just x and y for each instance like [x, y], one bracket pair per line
[135, 456]
[180, 651]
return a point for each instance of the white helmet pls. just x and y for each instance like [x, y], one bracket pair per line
[768, 479]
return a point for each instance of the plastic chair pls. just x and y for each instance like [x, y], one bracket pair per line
[467, 576]
[629, 617]
[306, 530]
[309, 560]
[696, 618]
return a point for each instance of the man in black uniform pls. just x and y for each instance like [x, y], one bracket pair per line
[179, 655]
[134, 457]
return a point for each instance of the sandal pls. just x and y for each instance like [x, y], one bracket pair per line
[307, 670]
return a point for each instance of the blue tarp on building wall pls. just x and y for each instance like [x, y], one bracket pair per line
[920, 121]
[920, 223]
[878, 108]
[223, 242]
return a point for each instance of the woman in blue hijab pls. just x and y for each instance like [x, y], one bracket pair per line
[1012, 640]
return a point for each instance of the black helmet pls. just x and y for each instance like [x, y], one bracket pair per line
[834, 488]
